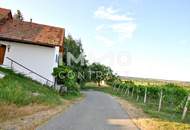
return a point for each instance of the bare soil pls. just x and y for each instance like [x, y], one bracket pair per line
[29, 117]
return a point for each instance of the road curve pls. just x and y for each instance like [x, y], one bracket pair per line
[98, 111]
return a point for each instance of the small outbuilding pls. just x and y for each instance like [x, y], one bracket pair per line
[30, 48]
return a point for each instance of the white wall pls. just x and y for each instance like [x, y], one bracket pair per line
[40, 59]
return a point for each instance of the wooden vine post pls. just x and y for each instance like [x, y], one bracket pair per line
[132, 92]
[118, 88]
[137, 95]
[185, 108]
[123, 89]
[114, 87]
[145, 95]
[126, 91]
[160, 101]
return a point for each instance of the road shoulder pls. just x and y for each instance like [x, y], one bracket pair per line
[145, 122]
[32, 121]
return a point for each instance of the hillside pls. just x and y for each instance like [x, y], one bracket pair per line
[20, 90]
[21, 96]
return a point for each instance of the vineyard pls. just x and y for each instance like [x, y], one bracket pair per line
[168, 98]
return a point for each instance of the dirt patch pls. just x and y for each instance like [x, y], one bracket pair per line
[145, 122]
[29, 117]
[8, 112]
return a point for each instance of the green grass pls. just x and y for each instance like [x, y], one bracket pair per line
[72, 96]
[18, 89]
[21, 96]
[150, 108]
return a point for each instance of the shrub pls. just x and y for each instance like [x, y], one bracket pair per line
[66, 77]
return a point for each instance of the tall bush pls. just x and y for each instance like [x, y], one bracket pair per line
[65, 76]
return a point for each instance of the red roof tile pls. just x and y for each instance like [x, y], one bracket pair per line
[5, 14]
[31, 33]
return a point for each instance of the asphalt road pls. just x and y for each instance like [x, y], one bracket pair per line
[98, 111]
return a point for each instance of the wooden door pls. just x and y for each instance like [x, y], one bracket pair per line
[2, 53]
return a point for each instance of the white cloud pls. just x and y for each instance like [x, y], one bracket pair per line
[122, 26]
[100, 27]
[111, 14]
[104, 40]
[124, 30]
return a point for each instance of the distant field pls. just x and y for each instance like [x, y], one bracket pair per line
[146, 81]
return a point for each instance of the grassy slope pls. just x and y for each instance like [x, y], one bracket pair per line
[19, 90]
[165, 119]
[21, 96]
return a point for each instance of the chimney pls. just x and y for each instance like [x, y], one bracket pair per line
[30, 20]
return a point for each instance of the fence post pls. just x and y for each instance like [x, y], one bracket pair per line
[47, 82]
[114, 87]
[145, 95]
[126, 91]
[11, 64]
[123, 89]
[118, 88]
[132, 92]
[185, 108]
[160, 101]
[137, 95]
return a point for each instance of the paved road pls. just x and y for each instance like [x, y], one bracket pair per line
[98, 111]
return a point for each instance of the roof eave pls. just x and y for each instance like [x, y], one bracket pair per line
[29, 42]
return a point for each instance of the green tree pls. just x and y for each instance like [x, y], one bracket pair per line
[99, 72]
[18, 16]
[74, 47]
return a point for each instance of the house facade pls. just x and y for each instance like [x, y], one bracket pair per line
[30, 48]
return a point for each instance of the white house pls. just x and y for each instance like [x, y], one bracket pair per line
[30, 48]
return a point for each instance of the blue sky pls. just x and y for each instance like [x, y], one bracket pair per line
[141, 38]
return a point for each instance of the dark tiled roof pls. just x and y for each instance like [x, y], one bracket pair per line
[31, 33]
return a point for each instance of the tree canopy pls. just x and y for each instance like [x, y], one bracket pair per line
[99, 72]
[74, 47]
[76, 61]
